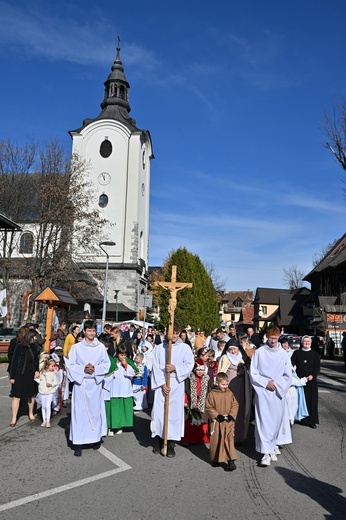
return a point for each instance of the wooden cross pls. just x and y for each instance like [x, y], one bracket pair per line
[173, 287]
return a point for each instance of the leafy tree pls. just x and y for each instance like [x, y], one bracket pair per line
[293, 277]
[198, 306]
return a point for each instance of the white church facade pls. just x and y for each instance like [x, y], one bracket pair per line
[118, 155]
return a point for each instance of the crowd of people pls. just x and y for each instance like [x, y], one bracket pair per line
[217, 385]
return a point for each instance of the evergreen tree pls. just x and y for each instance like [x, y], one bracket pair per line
[196, 307]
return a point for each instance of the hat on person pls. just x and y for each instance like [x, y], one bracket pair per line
[188, 327]
[55, 357]
[58, 348]
[199, 365]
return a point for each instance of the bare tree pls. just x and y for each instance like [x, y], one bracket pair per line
[218, 282]
[293, 277]
[49, 192]
[16, 165]
[335, 130]
[319, 255]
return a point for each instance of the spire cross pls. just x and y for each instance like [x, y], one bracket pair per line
[173, 287]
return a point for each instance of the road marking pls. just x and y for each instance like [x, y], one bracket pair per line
[122, 466]
[4, 377]
[330, 381]
[324, 391]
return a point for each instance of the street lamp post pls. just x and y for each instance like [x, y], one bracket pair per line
[117, 291]
[106, 280]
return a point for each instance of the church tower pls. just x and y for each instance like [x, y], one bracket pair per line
[118, 155]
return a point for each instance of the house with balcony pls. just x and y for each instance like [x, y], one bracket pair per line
[235, 307]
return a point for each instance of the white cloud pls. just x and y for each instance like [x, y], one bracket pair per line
[40, 33]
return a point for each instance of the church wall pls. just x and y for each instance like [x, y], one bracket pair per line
[116, 166]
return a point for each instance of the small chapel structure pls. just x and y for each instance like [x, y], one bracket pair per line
[118, 154]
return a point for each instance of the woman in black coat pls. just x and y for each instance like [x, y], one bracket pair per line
[23, 371]
[307, 363]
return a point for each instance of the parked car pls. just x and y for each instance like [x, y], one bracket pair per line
[6, 334]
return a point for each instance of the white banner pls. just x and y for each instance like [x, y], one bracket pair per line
[3, 303]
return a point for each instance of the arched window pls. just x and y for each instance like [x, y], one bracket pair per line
[26, 244]
[106, 149]
[122, 92]
[103, 200]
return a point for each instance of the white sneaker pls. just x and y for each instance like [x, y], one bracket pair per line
[48, 425]
[43, 424]
[265, 460]
[118, 432]
[277, 450]
[273, 457]
[110, 433]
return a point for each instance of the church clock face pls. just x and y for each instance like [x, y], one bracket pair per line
[104, 178]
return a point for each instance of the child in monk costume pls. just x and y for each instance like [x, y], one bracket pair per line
[197, 387]
[119, 411]
[222, 408]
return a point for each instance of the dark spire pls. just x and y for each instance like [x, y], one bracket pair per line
[116, 86]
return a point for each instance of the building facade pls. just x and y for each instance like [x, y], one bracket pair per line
[118, 156]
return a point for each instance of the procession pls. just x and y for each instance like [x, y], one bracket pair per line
[172, 260]
[194, 396]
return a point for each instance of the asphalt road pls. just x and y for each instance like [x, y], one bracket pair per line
[40, 477]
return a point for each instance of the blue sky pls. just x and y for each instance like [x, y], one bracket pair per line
[234, 96]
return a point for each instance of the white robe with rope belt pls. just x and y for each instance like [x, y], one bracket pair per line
[88, 415]
[270, 364]
[183, 360]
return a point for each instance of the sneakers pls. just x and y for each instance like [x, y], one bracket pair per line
[110, 433]
[47, 425]
[265, 460]
[231, 466]
[273, 457]
[78, 451]
[119, 432]
[277, 450]
[43, 424]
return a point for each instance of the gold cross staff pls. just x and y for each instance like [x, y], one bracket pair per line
[173, 287]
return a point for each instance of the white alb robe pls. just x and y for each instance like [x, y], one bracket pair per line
[121, 385]
[270, 364]
[88, 415]
[183, 360]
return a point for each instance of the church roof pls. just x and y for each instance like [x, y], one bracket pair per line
[8, 224]
[115, 104]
